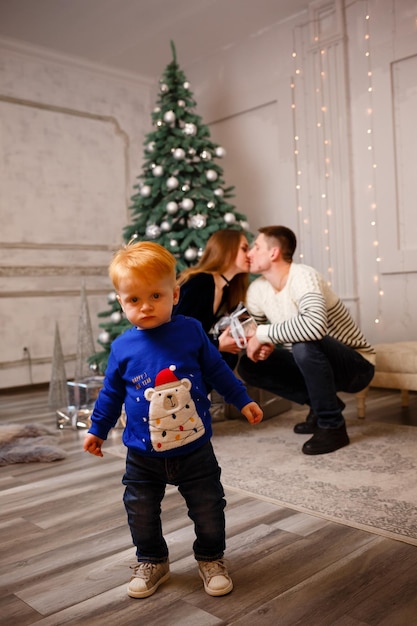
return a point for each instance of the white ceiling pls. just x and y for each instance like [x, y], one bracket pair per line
[134, 35]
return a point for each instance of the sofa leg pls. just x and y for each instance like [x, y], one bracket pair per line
[361, 402]
[404, 397]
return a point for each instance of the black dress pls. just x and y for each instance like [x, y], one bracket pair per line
[196, 300]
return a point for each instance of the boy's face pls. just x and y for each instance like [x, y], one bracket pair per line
[147, 304]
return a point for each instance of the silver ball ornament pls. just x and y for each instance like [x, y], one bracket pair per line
[205, 155]
[165, 226]
[158, 170]
[181, 103]
[190, 254]
[186, 85]
[229, 218]
[164, 88]
[219, 192]
[145, 191]
[211, 175]
[152, 231]
[178, 154]
[111, 297]
[104, 337]
[245, 225]
[190, 129]
[210, 205]
[172, 183]
[171, 207]
[116, 317]
[185, 187]
[169, 117]
[187, 204]
[220, 152]
[151, 146]
[197, 221]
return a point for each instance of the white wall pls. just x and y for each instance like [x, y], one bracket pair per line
[71, 147]
[299, 150]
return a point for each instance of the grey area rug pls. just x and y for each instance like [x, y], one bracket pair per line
[28, 443]
[370, 484]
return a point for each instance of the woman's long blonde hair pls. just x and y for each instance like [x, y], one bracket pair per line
[220, 252]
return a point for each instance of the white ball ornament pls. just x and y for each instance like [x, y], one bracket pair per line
[190, 254]
[181, 103]
[220, 152]
[151, 146]
[173, 243]
[219, 192]
[190, 129]
[158, 170]
[169, 117]
[210, 205]
[164, 88]
[178, 154]
[245, 225]
[185, 187]
[145, 191]
[172, 183]
[211, 175]
[205, 155]
[172, 207]
[229, 218]
[197, 221]
[186, 85]
[116, 317]
[111, 297]
[165, 226]
[187, 204]
[152, 231]
[104, 337]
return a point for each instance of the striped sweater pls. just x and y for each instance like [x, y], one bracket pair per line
[306, 309]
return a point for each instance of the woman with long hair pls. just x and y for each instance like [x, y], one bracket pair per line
[216, 285]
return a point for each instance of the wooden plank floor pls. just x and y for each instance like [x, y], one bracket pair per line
[66, 549]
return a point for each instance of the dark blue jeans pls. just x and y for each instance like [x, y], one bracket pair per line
[312, 373]
[197, 476]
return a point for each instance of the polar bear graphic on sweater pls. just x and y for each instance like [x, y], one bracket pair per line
[173, 418]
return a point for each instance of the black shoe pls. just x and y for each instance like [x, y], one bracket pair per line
[308, 427]
[326, 440]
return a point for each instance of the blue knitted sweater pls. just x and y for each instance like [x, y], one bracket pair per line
[159, 375]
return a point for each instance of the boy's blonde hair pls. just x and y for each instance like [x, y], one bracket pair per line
[146, 259]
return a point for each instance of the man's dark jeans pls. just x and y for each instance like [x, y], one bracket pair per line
[312, 373]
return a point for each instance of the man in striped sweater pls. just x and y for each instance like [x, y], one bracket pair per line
[307, 347]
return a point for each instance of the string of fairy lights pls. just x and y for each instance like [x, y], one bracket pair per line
[324, 142]
[372, 167]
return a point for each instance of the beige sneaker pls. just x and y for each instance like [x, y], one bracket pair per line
[147, 578]
[217, 581]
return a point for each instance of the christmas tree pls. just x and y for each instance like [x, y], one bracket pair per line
[181, 197]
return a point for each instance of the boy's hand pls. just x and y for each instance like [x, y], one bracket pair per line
[252, 412]
[92, 444]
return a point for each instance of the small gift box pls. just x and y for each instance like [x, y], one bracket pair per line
[242, 325]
